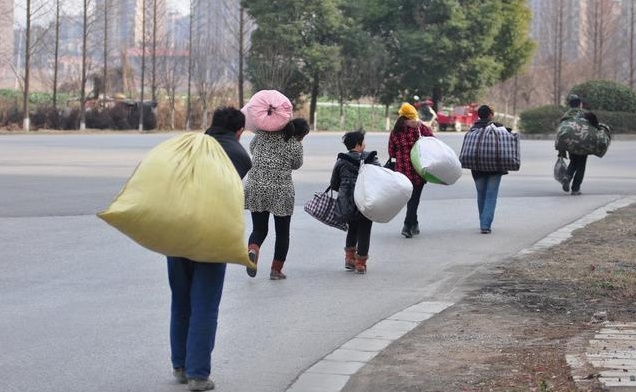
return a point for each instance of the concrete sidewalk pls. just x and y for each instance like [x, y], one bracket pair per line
[341, 370]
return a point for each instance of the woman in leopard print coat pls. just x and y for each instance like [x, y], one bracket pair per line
[269, 189]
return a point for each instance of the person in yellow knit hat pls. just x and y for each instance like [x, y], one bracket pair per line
[408, 111]
[407, 130]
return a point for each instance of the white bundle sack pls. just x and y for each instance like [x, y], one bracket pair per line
[435, 161]
[380, 194]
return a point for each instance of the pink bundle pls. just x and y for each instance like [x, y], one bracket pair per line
[268, 110]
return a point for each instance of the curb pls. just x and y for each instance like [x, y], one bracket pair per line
[331, 373]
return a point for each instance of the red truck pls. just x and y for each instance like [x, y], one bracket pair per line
[460, 119]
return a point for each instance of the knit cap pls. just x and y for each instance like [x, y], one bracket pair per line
[407, 110]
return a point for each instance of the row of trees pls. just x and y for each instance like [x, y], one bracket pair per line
[382, 49]
[155, 64]
[579, 40]
[387, 50]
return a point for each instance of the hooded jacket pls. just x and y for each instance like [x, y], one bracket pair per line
[343, 181]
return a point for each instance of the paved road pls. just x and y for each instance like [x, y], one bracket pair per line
[82, 308]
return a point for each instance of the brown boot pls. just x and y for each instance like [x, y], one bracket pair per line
[361, 264]
[350, 258]
[252, 254]
[276, 273]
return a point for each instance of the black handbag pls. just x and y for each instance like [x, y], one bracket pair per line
[322, 207]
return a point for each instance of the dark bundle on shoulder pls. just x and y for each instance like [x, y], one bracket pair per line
[297, 128]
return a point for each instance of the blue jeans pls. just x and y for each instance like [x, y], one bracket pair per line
[196, 295]
[487, 190]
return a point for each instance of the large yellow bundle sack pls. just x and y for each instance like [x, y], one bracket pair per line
[184, 199]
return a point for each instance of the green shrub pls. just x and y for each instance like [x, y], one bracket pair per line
[619, 122]
[543, 119]
[606, 95]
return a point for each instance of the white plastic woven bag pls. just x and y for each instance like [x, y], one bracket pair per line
[435, 161]
[380, 193]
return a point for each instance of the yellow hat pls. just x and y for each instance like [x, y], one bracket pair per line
[407, 110]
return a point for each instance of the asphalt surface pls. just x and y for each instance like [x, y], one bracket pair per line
[86, 309]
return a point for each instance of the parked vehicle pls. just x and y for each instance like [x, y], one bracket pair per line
[460, 118]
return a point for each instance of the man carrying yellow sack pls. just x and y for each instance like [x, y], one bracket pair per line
[196, 286]
[185, 200]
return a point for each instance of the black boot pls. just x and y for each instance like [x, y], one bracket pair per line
[415, 229]
[406, 231]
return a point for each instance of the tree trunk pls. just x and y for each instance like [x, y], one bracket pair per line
[143, 64]
[241, 97]
[342, 114]
[188, 124]
[315, 89]
[558, 51]
[27, 59]
[105, 74]
[631, 45]
[84, 71]
[56, 55]
[154, 51]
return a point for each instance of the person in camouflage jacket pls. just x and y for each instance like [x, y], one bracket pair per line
[579, 134]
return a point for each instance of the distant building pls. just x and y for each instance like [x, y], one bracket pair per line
[7, 77]
[215, 40]
[577, 30]
[125, 19]
[544, 32]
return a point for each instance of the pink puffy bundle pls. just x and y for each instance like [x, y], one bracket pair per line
[268, 110]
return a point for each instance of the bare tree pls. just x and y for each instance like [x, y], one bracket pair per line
[56, 52]
[33, 10]
[153, 84]
[171, 73]
[143, 64]
[240, 27]
[27, 67]
[273, 67]
[190, 66]
[105, 11]
[558, 48]
[632, 20]
[87, 21]
[603, 20]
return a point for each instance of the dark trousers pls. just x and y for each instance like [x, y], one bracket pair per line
[412, 205]
[196, 295]
[260, 224]
[576, 170]
[359, 235]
